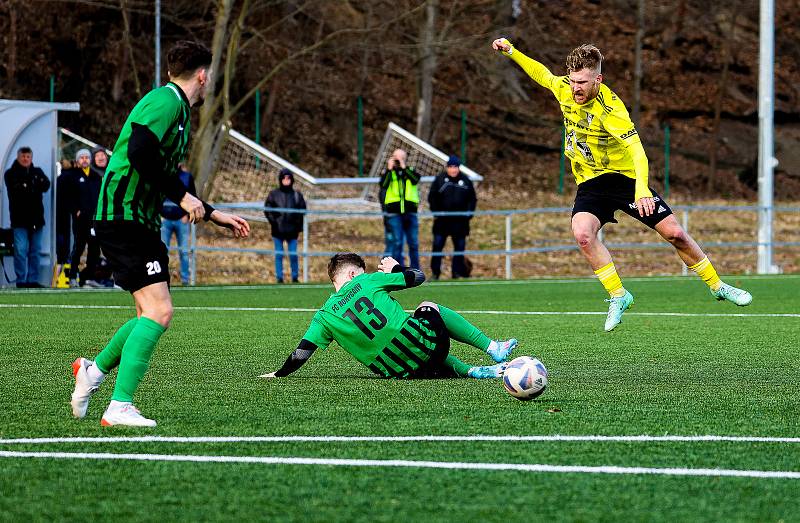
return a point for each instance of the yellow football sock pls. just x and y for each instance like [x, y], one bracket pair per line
[706, 271]
[610, 279]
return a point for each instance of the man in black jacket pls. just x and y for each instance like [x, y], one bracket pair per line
[451, 191]
[84, 181]
[25, 185]
[286, 226]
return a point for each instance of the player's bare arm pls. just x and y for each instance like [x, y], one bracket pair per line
[239, 226]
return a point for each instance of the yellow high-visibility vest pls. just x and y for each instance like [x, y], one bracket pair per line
[398, 192]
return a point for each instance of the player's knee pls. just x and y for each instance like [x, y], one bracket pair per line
[428, 304]
[584, 238]
[676, 236]
[161, 314]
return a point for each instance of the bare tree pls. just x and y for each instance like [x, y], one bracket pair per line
[126, 35]
[727, 25]
[637, 70]
[427, 69]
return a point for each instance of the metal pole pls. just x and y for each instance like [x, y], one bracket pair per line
[508, 247]
[52, 88]
[360, 136]
[766, 161]
[258, 125]
[666, 161]
[194, 254]
[464, 136]
[158, 43]
[685, 223]
[561, 162]
[305, 248]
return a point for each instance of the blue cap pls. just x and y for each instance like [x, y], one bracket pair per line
[453, 161]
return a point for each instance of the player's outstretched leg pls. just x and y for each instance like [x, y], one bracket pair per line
[696, 260]
[90, 374]
[466, 370]
[465, 332]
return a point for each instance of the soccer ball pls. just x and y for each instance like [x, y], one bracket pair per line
[525, 378]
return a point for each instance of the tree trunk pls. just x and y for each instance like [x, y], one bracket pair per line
[637, 71]
[11, 67]
[723, 82]
[205, 140]
[126, 35]
[427, 68]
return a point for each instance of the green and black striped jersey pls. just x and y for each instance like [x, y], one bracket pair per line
[369, 324]
[127, 194]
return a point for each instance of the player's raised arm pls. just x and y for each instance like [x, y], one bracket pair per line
[538, 72]
[411, 277]
[305, 349]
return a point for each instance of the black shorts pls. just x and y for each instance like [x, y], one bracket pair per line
[610, 192]
[136, 254]
[434, 367]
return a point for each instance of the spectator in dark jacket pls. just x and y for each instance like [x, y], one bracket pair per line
[285, 226]
[25, 185]
[451, 191]
[175, 220]
[63, 218]
[83, 182]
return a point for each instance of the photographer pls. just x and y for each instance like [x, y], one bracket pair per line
[400, 181]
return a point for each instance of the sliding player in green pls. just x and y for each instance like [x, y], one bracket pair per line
[142, 171]
[366, 321]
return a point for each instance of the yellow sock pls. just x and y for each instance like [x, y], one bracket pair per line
[610, 279]
[706, 271]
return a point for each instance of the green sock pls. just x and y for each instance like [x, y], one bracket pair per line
[458, 366]
[136, 357]
[462, 330]
[109, 356]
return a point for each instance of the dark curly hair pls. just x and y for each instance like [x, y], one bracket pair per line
[186, 57]
[586, 56]
[341, 260]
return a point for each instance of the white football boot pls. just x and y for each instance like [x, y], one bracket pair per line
[84, 387]
[125, 414]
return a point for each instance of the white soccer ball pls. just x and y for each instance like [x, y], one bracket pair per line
[525, 378]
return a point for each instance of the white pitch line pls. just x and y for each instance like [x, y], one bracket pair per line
[521, 467]
[644, 438]
[212, 308]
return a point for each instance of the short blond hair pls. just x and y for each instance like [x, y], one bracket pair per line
[586, 56]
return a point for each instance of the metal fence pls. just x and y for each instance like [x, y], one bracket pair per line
[682, 212]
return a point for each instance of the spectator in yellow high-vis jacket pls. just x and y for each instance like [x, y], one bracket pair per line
[400, 183]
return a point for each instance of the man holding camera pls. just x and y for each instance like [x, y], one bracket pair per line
[401, 185]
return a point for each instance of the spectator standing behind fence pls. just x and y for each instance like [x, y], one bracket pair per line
[451, 191]
[63, 217]
[26, 184]
[175, 220]
[286, 226]
[401, 183]
[81, 187]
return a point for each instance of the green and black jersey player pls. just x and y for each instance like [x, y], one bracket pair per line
[141, 173]
[367, 322]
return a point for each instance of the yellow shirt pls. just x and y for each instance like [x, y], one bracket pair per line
[601, 138]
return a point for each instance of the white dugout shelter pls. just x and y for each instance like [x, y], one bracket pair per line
[35, 125]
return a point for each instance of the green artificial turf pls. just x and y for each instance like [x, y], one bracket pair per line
[656, 374]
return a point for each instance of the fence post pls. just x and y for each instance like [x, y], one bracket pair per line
[258, 125]
[685, 223]
[360, 136]
[193, 267]
[52, 88]
[508, 246]
[666, 161]
[464, 136]
[561, 161]
[305, 248]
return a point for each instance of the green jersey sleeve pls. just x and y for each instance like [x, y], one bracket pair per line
[318, 332]
[388, 282]
[159, 111]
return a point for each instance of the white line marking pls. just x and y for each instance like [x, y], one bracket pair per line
[522, 467]
[490, 312]
[326, 439]
[532, 281]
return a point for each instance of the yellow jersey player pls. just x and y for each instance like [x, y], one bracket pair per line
[610, 168]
